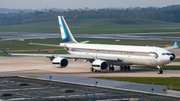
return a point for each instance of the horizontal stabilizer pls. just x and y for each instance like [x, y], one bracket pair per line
[5, 51]
[172, 47]
[44, 44]
[84, 42]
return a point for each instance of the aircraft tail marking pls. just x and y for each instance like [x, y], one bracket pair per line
[66, 34]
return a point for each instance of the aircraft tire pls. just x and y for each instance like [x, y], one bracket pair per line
[125, 68]
[160, 71]
[92, 69]
[128, 68]
[112, 68]
[109, 69]
[121, 67]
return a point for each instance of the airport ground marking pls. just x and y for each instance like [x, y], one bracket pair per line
[22, 94]
[2, 80]
[35, 84]
[50, 92]
[82, 91]
[5, 86]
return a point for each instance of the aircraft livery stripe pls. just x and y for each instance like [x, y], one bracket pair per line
[108, 51]
[63, 29]
[112, 54]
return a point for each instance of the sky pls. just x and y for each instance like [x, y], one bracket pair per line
[75, 4]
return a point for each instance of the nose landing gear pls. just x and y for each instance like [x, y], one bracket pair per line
[160, 69]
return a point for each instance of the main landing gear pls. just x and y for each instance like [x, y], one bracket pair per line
[93, 70]
[111, 68]
[125, 68]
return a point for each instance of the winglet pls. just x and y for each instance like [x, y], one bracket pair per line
[5, 51]
[175, 43]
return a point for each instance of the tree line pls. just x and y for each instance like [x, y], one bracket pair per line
[169, 13]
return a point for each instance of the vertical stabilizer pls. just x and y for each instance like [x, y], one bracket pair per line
[65, 32]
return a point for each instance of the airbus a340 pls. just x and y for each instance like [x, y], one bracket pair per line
[104, 57]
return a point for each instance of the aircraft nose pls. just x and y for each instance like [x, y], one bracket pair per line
[172, 58]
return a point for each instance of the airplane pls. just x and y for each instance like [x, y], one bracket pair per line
[104, 57]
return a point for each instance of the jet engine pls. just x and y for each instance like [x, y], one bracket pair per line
[60, 62]
[100, 65]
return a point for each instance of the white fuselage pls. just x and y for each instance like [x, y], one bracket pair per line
[131, 55]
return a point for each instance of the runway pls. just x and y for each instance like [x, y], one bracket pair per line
[130, 36]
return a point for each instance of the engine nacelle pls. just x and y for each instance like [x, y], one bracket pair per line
[60, 62]
[100, 65]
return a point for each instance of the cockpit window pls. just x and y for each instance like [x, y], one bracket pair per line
[166, 53]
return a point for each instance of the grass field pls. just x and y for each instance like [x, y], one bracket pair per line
[177, 60]
[167, 67]
[163, 81]
[97, 26]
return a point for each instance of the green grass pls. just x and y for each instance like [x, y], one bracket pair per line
[163, 81]
[32, 76]
[171, 67]
[97, 26]
[167, 67]
[177, 60]
[23, 45]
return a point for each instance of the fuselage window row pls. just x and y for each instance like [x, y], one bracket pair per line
[109, 51]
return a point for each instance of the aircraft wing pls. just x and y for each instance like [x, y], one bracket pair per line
[68, 56]
[172, 47]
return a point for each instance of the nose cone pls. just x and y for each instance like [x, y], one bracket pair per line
[172, 58]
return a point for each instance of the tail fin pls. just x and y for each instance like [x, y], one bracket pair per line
[65, 32]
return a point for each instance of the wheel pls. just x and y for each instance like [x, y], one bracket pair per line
[128, 68]
[112, 68]
[96, 71]
[92, 69]
[121, 68]
[160, 71]
[125, 68]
